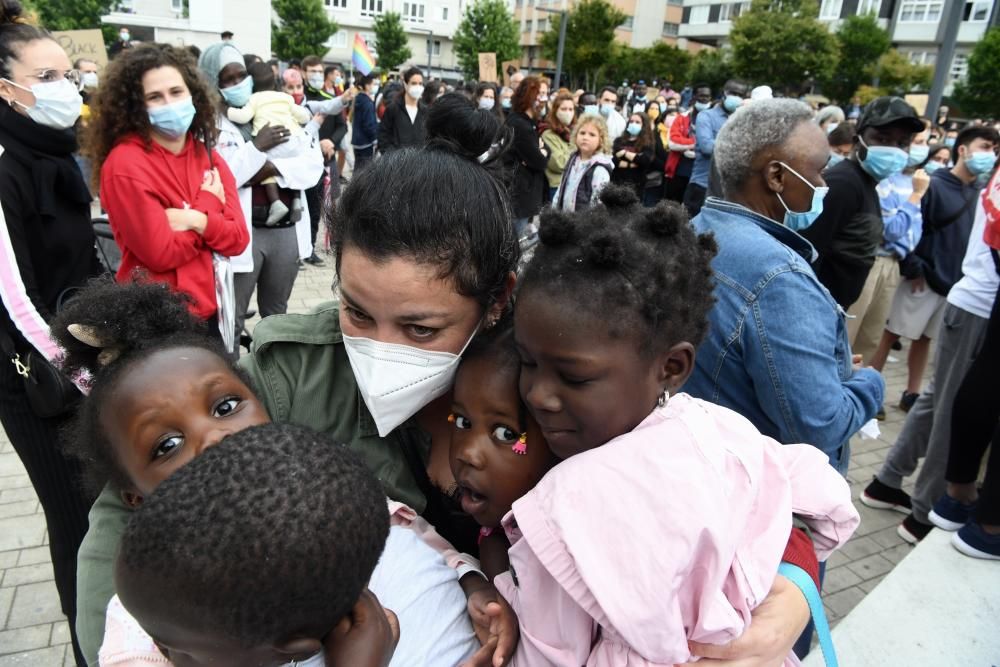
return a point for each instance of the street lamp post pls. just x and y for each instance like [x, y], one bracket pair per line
[562, 41]
[430, 46]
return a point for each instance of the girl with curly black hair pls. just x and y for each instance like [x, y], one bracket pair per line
[171, 200]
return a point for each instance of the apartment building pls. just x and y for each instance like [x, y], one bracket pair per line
[646, 23]
[197, 22]
[916, 26]
[429, 24]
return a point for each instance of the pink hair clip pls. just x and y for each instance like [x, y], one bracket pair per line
[521, 447]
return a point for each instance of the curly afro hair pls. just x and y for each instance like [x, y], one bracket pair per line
[133, 320]
[644, 271]
[120, 106]
[269, 535]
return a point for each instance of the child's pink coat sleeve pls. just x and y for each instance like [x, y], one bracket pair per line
[402, 515]
[126, 644]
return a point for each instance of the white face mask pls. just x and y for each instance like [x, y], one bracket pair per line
[315, 81]
[396, 381]
[415, 92]
[89, 80]
[57, 103]
[486, 103]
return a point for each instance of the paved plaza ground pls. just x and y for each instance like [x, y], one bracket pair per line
[33, 631]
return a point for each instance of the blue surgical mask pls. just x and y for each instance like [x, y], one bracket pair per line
[590, 108]
[981, 162]
[606, 109]
[701, 106]
[505, 103]
[634, 128]
[834, 160]
[883, 161]
[917, 155]
[799, 220]
[663, 107]
[732, 103]
[172, 120]
[238, 95]
[949, 142]
[338, 81]
[931, 167]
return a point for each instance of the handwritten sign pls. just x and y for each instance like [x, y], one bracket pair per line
[509, 68]
[918, 101]
[488, 67]
[87, 44]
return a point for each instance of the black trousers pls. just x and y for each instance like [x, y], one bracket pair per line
[673, 188]
[57, 482]
[974, 422]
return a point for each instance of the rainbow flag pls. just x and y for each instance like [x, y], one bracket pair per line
[362, 57]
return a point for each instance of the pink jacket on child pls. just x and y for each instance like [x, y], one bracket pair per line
[669, 533]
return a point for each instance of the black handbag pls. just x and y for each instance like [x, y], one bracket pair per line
[50, 393]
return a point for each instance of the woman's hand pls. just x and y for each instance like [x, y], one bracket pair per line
[328, 149]
[494, 622]
[630, 156]
[366, 637]
[213, 183]
[777, 623]
[186, 220]
[270, 136]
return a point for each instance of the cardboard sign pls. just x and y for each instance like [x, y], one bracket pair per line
[488, 67]
[87, 44]
[509, 68]
[918, 101]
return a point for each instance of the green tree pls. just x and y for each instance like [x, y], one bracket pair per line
[781, 43]
[980, 92]
[711, 67]
[590, 36]
[897, 75]
[74, 15]
[302, 30]
[391, 41]
[661, 61]
[486, 27]
[861, 41]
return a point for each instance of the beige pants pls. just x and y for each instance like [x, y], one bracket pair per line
[868, 315]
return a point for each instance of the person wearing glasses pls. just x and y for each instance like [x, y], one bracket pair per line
[46, 250]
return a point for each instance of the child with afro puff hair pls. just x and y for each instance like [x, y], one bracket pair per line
[667, 519]
[163, 396]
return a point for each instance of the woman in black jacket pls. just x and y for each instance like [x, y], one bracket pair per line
[47, 249]
[528, 156]
[402, 123]
[634, 153]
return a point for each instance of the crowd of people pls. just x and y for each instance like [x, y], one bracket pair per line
[589, 453]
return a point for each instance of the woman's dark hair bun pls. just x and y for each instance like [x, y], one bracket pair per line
[606, 251]
[666, 219]
[618, 197]
[454, 124]
[556, 228]
[11, 11]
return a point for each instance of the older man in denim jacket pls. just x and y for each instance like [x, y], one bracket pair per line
[777, 351]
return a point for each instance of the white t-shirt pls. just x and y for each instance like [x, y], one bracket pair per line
[977, 289]
[412, 111]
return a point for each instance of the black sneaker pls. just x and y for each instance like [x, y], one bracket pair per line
[912, 530]
[314, 260]
[898, 345]
[884, 497]
[907, 401]
[880, 415]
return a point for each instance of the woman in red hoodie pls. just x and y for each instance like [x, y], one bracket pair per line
[171, 199]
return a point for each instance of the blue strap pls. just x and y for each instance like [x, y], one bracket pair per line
[801, 578]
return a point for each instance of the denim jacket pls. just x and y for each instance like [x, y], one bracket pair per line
[777, 350]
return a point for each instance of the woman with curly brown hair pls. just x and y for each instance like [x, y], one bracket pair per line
[171, 199]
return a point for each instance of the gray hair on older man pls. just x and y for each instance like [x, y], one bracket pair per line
[751, 129]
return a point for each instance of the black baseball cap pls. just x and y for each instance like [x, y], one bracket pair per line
[890, 111]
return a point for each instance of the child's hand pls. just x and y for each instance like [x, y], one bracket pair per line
[496, 627]
[366, 637]
[213, 183]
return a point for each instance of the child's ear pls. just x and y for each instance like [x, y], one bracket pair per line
[132, 498]
[675, 366]
[299, 648]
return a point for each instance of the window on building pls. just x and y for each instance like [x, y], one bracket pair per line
[371, 7]
[437, 47]
[338, 40]
[675, 2]
[921, 11]
[923, 57]
[671, 29]
[830, 9]
[976, 11]
[542, 25]
[628, 22]
[177, 5]
[699, 15]
[725, 12]
[336, 4]
[444, 13]
[869, 7]
[413, 12]
[959, 67]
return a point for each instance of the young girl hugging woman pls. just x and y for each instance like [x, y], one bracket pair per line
[634, 152]
[667, 518]
[589, 167]
[163, 394]
[171, 199]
